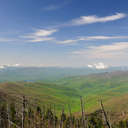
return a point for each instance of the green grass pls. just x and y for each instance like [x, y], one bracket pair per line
[109, 87]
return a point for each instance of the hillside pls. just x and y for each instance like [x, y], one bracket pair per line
[107, 86]
[111, 87]
[41, 93]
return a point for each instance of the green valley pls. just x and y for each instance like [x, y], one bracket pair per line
[110, 87]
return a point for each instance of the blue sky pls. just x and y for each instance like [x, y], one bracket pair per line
[71, 33]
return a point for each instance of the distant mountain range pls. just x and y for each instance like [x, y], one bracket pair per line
[20, 73]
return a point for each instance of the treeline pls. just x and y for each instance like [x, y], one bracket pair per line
[26, 115]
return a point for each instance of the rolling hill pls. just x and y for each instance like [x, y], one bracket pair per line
[112, 88]
[107, 86]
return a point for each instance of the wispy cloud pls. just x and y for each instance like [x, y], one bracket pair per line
[40, 35]
[39, 39]
[91, 38]
[66, 42]
[41, 32]
[95, 19]
[115, 50]
[90, 19]
[100, 37]
[53, 7]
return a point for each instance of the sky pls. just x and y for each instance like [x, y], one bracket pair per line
[66, 33]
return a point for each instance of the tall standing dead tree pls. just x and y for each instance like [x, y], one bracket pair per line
[83, 113]
[105, 115]
[23, 112]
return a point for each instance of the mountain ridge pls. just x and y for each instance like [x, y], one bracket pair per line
[20, 73]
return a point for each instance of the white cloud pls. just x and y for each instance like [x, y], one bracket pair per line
[91, 38]
[66, 42]
[114, 54]
[16, 65]
[113, 47]
[43, 32]
[95, 19]
[41, 35]
[91, 19]
[9, 65]
[38, 39]
[115, 50]
[99, 65]
[2, 67]
[102, 37]
[90, 66]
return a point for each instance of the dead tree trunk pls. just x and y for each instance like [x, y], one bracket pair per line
[83, 114]
[54, 115]
[71, 121]
[105, 115]
[8, 114]
[23, 112]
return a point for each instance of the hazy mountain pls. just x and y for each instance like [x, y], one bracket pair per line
[19, 73]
